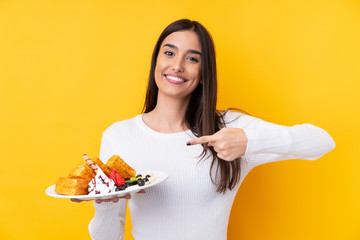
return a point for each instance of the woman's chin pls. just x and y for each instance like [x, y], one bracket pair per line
[175, 95]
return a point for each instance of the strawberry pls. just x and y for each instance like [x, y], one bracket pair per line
[118, 179]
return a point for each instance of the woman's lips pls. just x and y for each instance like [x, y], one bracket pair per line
[175, 79]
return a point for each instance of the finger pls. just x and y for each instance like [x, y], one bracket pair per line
[226, 158]
[127, 196]
[221, 156]
[142, 191]
[217, 150]
[116, 199]
[200, 140]
[75, 200]
[106, 200]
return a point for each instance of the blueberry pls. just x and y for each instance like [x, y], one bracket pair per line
[127, 179]
[146, 179]
[141, 182]
[120, 188]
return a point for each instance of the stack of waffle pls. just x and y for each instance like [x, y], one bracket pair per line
[76, 183]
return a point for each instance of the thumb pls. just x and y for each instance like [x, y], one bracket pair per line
[200, 140]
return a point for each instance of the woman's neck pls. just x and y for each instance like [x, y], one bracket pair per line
[168, 116]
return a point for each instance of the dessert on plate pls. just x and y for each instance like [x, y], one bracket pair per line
[94, 177]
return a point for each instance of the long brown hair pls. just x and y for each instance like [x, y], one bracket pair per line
[201, 117]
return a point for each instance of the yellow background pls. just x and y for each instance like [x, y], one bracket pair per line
[69, 69]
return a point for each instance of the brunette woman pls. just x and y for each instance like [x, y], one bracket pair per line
[206, 153]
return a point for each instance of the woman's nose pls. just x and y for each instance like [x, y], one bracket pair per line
[178, 65]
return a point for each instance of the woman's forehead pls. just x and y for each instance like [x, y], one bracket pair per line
[183, 40]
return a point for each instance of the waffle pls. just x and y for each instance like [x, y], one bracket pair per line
[82, 170]
[120, 166]
[71, 186]
[76, 183]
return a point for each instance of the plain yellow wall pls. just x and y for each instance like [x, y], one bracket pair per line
[69, 69]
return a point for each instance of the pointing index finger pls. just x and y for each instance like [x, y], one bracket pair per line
[200, 140]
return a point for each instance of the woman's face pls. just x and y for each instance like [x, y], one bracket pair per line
[178, 65]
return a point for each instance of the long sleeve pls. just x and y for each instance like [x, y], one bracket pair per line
[109, 220]
[269, 142]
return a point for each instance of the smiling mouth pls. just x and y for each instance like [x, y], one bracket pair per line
[175, 79]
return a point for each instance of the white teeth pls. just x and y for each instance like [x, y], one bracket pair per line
[175, 79]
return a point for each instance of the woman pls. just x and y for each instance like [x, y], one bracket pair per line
[206, 153]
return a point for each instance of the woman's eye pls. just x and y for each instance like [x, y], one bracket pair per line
[168, 53]
[193, 59]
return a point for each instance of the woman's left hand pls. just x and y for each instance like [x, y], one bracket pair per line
[229, 143]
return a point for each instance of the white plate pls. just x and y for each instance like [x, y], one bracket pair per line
[160, 177]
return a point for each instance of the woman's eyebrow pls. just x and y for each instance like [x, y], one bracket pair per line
[175, 47]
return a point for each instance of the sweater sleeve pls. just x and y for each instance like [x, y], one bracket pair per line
[269, 142]
[109, 219]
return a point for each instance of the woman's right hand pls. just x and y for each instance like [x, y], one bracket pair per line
[115, 199]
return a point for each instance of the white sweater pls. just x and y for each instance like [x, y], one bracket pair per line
[186, 205]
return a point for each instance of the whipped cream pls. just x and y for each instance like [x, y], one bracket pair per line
[101, 184]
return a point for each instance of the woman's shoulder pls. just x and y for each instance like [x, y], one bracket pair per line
[230, 115]
[237, 118]
[122, 126]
